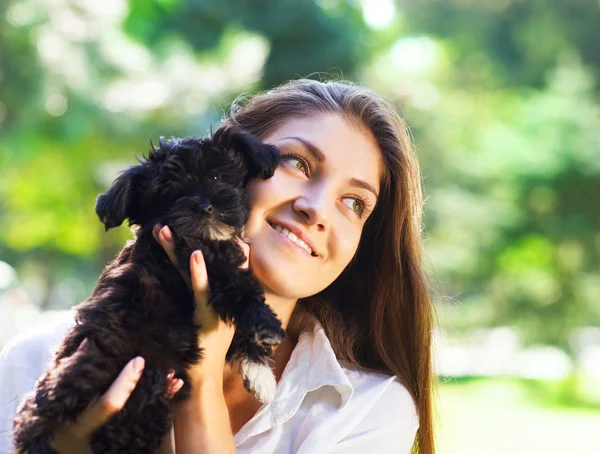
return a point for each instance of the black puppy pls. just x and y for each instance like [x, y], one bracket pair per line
[141, 304]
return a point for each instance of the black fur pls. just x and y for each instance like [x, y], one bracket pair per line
[142, 306]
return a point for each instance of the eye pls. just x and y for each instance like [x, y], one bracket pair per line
[299, 162]
[354, 204]
[216, 178]
[360, 206]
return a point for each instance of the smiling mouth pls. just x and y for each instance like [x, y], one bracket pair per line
[293, 238]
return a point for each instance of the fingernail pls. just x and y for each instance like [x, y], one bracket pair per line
[138, 364]
[83, 345]
[170, 375]
[197, 257]
[178, 384]
[166, 233]
[175, 386]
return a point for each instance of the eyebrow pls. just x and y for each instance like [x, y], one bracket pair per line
[320, 156]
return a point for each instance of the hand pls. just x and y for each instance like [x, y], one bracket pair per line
[215, 336]
[75, 438]
[202, 422]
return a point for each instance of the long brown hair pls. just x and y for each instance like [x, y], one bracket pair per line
[378, 313]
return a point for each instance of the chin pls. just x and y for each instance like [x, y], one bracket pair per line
[281, 280]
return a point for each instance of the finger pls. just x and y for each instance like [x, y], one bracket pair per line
[203, 315]
[246, 249]
[82, 346]
[199, 276]
[112, 401]
[66, 443]
[165, 239]
[175, 385]
[163, 235]
[167, 446]
[156, 231]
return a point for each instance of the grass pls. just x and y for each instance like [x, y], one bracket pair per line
[508, 416]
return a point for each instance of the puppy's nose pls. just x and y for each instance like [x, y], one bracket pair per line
[206, 208]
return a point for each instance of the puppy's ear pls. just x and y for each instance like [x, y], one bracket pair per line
[120, 202]
[261, 159]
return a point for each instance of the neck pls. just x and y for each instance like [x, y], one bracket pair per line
[282, 306]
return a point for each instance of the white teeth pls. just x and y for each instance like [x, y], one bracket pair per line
[293, 237]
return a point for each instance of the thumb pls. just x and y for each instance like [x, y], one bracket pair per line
[112, 401]
[204, 315]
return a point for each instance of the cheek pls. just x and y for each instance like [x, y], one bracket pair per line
[266, 195]
[261, 197]
[345, 247]
[253, 190]
[262, 193]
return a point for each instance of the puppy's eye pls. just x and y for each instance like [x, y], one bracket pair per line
[216, 178]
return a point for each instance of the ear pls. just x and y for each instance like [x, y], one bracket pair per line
[261, 159]
[121, 200]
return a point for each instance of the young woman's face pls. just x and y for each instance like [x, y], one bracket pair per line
[323, 191]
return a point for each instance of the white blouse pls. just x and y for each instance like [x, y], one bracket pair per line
[320, 406]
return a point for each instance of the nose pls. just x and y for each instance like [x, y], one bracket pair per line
[315, 208]
[206, 207]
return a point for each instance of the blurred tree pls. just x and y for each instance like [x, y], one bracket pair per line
[57, 120]
[527, 217]
[303, 37]
[84, 84]
[518, 41]
[506, 119]
[501, 96]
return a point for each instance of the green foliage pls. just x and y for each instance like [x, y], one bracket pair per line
[303, 38]
[506, 118]
[59, 132]
[535, 246]
[502, 99]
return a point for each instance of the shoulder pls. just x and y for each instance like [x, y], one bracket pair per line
[22, 361]
[368, 394]
[34, 347]
[376, 414]
[389, 418]
[386, 394]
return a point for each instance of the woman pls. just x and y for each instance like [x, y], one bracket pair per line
[334, 237]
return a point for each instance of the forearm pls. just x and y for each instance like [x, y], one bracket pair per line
[202, 422]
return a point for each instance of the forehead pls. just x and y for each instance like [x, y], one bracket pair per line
[347, 148]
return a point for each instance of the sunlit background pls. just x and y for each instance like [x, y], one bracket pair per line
[502, 100]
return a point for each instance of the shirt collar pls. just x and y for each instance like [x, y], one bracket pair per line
[312, 365]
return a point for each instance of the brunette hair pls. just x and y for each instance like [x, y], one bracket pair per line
[378, 314]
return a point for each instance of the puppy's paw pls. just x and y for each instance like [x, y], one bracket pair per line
[258, 380]
[267, 336]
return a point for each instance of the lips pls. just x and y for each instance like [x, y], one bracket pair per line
[296, 236]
